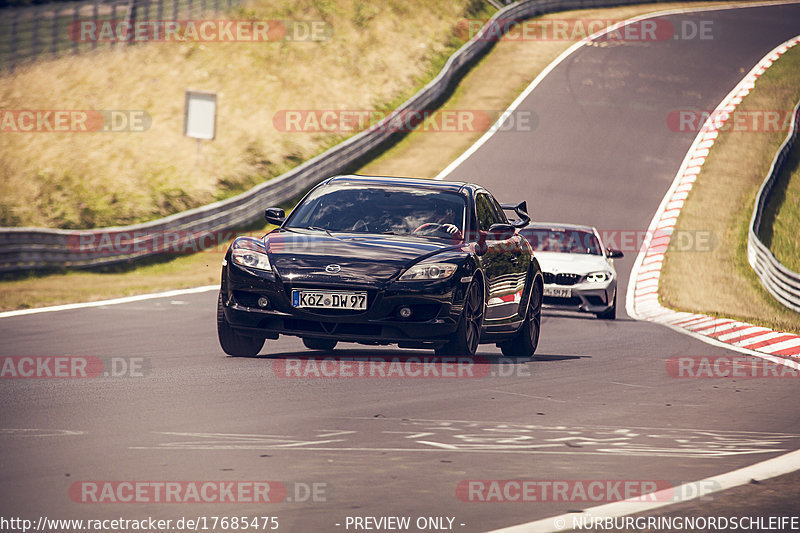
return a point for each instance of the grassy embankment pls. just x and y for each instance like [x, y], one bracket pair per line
[721, 282]
[368, 58]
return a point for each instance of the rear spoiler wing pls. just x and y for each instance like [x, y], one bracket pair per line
[521, 209]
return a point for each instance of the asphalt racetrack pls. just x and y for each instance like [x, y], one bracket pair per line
[596, 404]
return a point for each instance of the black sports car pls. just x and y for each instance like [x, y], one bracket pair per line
[379, 260]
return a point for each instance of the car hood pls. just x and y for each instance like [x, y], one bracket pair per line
[303, 255]
[563, 263]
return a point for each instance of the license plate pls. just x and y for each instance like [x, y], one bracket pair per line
[329, 299]
[558, 292]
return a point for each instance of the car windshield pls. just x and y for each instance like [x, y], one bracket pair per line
[569, 241]
[386, 210]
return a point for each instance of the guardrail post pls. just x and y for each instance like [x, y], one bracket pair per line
[14, 39]
[75, 21]
[54, 30]
[95, 17]
[34, 32]
[131, 19]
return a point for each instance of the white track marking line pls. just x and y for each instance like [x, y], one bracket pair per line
[114, 301]
[770, 468]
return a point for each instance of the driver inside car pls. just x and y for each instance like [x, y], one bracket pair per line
[444, 222]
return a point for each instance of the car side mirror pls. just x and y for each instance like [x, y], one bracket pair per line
[501, 231]
[275, 215]
[612, 253]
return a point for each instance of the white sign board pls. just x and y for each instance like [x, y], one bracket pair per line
[200, 115]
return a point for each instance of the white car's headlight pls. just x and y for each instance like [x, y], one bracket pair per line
[598, 277]
[251, 253]
[429, 271]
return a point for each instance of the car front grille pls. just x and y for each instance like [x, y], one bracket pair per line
[561, 279]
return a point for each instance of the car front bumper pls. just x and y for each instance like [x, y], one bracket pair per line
[436, 307]
[583, 297]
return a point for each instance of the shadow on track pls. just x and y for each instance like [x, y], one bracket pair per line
[389, 355]
[576, 315]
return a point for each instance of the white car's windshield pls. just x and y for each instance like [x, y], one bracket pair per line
[570, 241]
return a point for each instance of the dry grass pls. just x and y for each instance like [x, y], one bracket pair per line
[721, 282]
[492, 85]
[180, 273]
[81, 180]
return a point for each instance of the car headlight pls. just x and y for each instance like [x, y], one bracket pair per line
[251, 253]
[598, 277]
[429, 271]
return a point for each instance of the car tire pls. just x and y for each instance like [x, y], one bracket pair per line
[525, 342]
[467, 336]
[325, 345]
[611, 313]
[231, 342]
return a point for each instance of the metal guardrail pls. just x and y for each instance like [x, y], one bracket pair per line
[48, 30]
[38, 248]
[782, 283]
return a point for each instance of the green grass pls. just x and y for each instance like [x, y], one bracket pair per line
[780, 224]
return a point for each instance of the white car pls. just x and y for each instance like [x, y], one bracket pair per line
[578, 270]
